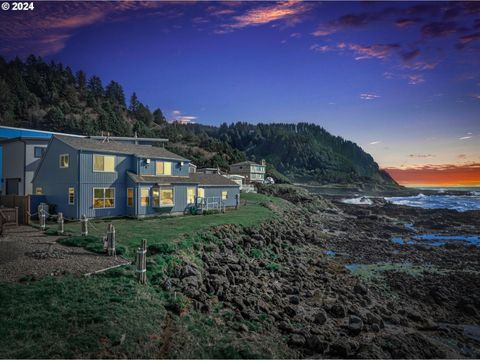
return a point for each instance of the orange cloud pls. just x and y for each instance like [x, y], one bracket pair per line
[268, 14]
[437, 175]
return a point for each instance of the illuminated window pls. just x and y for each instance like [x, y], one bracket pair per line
[163, 168]
[144, 197]
[64, 160]
[201, 192]
[39, 190]
[224, 195]
[71, 196]
[162, 197]
[103, 198]
[129, 196]
[103, 163]
[190, 195]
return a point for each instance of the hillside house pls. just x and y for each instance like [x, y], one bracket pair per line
[252, 171]
[83, 176]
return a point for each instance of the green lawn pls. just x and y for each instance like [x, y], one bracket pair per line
[175, 229]
[111, 315]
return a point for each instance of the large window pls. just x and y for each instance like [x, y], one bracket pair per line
[201, 192]
[64, 160]
[162, 196]
[190, 195]
[129, 196]
[144, 197]
[163, 168]
[38, 190]
[71, 196]
[103, 163]
[103, 198]
[38, 151]
[224, 195]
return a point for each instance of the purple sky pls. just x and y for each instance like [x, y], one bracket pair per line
[400, 79]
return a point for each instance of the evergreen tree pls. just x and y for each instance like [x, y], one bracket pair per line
[95, 87]
[114, 92]
[134, 103]
[158, 117]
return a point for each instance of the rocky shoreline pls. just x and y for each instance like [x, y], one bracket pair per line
[324, 279]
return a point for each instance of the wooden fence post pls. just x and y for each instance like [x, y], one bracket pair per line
[42, 218]
[60, 223]
[142, 263]
[84, 225]
[111, 240]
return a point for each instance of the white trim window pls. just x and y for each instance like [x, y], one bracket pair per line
[103, 198]
[191, 195]
[103, 163]
[163, 196]
[64, 160]
[71, 196]
[163, 168]
[144, 197]
[129, 197]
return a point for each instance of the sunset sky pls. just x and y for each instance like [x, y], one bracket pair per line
[402, 79]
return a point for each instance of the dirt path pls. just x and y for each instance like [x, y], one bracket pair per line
[25, 251]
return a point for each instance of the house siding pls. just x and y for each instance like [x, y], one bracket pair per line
[14, 164]
[31, 162]
[55, 181]
[216, 191]
[90, 179]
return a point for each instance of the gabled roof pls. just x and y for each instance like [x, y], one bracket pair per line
[145, 151]
[248, 162]
[193, 178]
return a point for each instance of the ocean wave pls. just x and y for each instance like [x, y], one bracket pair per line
[459, 203]
[358, 201]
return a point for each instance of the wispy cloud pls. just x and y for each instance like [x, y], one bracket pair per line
[369, 96]
[465, 137]
[322, 48]
[375, 142]
[267, 14]
[177, 116]
[415, 79]
[424, 156]
[377, 51]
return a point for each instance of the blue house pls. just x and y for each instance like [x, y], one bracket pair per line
[100, 178]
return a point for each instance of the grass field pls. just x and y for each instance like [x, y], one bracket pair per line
[176, 229]
[111, 315]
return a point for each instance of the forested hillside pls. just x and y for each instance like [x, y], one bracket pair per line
[49, 96]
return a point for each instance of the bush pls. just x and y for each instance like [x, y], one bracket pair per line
[256, 253]
[162, 248]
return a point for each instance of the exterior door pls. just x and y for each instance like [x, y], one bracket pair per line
[12, 186]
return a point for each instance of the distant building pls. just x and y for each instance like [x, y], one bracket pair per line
[20, 158]
[211, 170]
[252, 171]
[192, 168]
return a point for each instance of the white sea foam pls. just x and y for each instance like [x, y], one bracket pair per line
[358, 201]
[454, 202]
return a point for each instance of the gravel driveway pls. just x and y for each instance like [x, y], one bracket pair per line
[25, 251]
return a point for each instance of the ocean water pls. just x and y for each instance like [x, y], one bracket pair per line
[454, 202]
[437, 239]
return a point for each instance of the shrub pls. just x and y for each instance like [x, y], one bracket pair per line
[164, 248]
